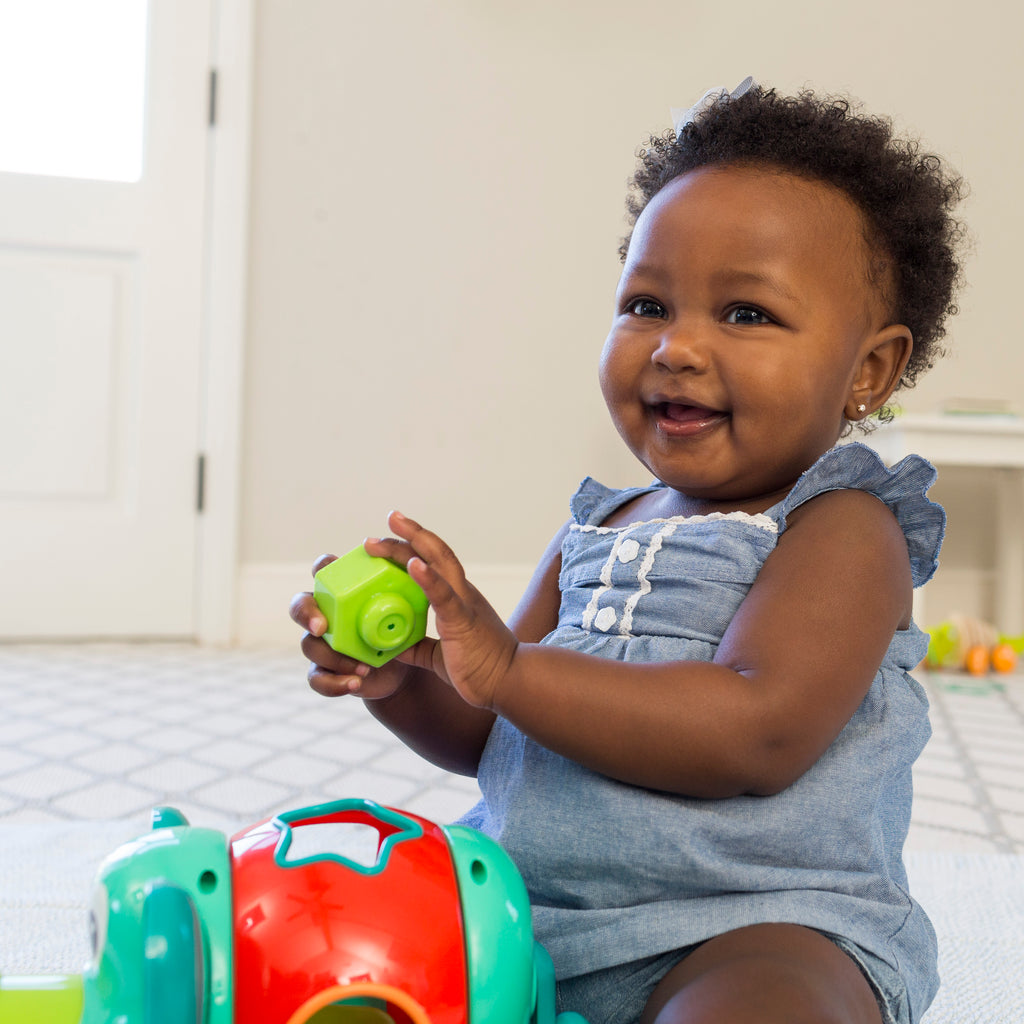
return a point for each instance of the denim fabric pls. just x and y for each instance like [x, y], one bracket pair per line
[619, 994]
[891, 992]
[617, 873]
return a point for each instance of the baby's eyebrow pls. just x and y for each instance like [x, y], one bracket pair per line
[646, 271]
[755, 277]
[655, 274]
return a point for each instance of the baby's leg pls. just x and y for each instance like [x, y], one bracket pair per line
[768, 974]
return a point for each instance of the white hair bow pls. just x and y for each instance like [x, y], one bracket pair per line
[681, 118]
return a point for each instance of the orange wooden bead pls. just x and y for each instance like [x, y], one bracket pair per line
[976, 660]
[1004, 658]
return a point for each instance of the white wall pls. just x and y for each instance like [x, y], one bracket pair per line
[437, 200]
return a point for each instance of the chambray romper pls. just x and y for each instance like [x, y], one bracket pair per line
[624, 880]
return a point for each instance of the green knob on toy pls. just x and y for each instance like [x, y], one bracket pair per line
[374, 608]
[386, 621]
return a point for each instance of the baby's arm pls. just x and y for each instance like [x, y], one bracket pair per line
[412, 700]
[424, 712]
[795, 663]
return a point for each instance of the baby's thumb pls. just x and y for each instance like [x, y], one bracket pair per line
[306, 612]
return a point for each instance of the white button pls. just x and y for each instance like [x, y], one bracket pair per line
[628, 550]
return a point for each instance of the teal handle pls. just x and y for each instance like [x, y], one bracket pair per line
[173, 958]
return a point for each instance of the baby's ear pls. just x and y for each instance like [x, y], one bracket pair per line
[880, 369]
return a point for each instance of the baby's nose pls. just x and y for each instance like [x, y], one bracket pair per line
[682, 347]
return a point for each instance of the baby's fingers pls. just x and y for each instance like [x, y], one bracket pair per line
[429, 548]
[394, 550]
[304, 609]
[322, 561]
[332, 684]
[433, 584]
[320, 653]
[306, 612]
[443, 597]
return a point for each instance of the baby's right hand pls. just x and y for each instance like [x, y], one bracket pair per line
[332, 674]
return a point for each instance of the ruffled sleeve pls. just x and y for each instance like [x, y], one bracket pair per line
[903, 487]
[593, 502]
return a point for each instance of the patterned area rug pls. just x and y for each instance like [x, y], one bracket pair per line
[976, 903]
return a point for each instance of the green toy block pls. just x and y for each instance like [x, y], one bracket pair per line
[374, 608]
[46, 999]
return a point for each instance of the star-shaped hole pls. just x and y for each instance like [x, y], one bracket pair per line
[357, 833]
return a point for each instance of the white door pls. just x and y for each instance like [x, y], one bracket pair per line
[101, 272]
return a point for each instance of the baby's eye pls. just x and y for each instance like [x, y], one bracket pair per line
[747, 315]
[646, 307]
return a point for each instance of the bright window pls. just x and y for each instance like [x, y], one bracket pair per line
[72, 87]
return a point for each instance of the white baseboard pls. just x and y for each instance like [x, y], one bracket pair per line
[266, 588]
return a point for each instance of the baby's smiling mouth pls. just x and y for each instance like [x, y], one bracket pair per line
[682, 419]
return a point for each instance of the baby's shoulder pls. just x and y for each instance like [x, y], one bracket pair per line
[902, 488]
[848, 515]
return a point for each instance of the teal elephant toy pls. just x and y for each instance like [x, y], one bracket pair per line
[431, 926]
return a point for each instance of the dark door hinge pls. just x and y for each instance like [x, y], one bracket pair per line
[212, 109]
[200, 483]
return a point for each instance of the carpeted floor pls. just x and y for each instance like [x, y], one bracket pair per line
[92, 737]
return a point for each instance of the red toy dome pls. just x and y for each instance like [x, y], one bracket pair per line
[313, 931]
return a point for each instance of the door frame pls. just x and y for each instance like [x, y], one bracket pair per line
[224, 324]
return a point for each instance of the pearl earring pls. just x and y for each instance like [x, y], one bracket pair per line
[862, 407]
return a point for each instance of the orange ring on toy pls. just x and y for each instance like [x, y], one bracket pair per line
[336, 993]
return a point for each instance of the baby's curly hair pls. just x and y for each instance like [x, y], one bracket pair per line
[907, 197]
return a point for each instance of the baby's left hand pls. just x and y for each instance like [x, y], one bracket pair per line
[476, 648]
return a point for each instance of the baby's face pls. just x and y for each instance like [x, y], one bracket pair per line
[742, 317]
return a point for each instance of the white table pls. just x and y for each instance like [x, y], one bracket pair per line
[985, 441]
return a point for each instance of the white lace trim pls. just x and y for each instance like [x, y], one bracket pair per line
[626, 550]
[606, 584]
[759, 519]
[626, 622]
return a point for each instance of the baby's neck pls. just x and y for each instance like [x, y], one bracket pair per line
[676, 503]
[666, 503]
